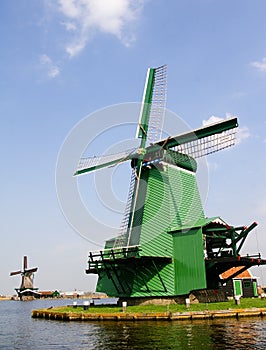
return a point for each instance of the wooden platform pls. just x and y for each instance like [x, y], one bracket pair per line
[53, 314]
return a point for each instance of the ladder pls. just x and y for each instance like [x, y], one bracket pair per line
[121, 239]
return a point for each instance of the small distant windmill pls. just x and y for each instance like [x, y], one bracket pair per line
[26, 288]
[167, 246]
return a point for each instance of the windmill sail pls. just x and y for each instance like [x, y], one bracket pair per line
[30, 271]
[197, 143]
[154, 100]
[149, 129]
[94, 163]
[203, 141]
[15, 273]
[157, 111]
[149, 126]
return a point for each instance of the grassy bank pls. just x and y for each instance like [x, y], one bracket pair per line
[228, 305]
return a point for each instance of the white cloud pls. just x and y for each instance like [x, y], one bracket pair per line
[52, 69]
[44, 59]
[53, 72]
[229, 115]
[86, 17]
[260, 65]
[69, 26]
[76, 46]
[70, 8]
[242, 134]
[211, 120]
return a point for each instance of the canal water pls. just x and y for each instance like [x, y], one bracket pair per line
[19, 331]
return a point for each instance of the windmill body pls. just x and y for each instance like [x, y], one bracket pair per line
[26, 289]
[151, 268]
[168, 247]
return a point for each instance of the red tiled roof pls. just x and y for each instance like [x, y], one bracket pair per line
[233, 270]
[44, 292]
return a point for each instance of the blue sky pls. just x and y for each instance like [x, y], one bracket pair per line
[63, 60]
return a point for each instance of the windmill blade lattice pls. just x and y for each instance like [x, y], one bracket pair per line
[89, 164]
[122, 238]
[209, 144]
[157, 110]
[202, 141]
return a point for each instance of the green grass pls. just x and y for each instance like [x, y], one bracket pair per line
[244, 304]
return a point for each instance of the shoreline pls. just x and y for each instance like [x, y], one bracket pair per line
[56, 314]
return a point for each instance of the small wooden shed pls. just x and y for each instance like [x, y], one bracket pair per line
[242, 284]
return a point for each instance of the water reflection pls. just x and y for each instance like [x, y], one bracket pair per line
[19, 331]
[228, 334]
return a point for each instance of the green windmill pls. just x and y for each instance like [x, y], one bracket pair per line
[167, 246]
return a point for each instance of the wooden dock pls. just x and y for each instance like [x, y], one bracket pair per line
[53, 314]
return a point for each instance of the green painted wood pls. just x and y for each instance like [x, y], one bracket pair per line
[146, 106]
[255, 289]
[189, 261]
[154, 238]
[168, 197]
[238, 288]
